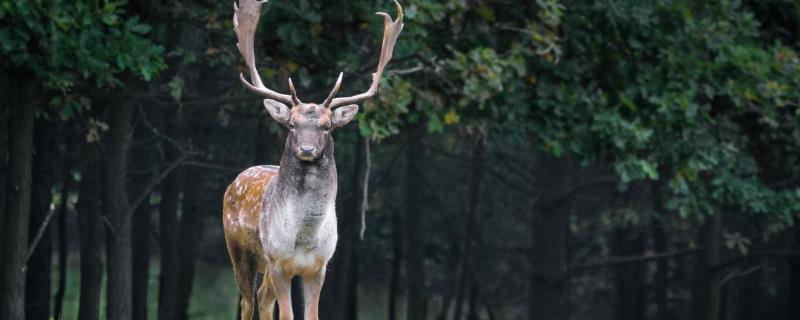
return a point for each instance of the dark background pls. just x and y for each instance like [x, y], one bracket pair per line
[547, 159]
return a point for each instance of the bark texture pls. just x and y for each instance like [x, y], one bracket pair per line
[118, 245]
[37, 294]
[415, 240]
[17, 213]
[91, 230]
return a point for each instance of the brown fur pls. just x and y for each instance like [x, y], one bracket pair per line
[242, 207]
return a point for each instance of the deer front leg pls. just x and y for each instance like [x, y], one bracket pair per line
[266, 299]
[282, 285]
[312, 287]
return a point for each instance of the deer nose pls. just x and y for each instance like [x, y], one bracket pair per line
[307, 150]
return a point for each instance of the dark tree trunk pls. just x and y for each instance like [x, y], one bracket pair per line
[143, 161]
[472, 308]
[168, 221]
[345, 267]
[268, 144]
[470, 231]
[297, 298]
[70, 148]
[37, 294]
[706, 296]
[18, 201]
[4, 106]
[415, 240]
[91, 229]
[630, 282]
[794, 294]
[63, 252]
[118, 249]
[661, 277]
[141, 259]
[548, 256]
[629, 240]
[68, 185]
[190, 233]
[397, 262]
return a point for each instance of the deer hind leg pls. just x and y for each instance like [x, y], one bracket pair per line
[266, 298]
[244, 270]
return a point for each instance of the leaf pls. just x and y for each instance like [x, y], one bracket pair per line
[176, 88]
[451, 117]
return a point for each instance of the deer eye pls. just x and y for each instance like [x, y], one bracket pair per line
[291, 125]
[327, 127]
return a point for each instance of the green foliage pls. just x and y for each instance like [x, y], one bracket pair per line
[66, 43]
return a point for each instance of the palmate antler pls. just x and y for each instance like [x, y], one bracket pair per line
[245, 22]
[391, 30]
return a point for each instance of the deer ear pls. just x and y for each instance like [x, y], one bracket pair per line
[343, 115]
[278, 111]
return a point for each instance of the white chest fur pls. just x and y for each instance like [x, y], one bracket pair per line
[299, 230]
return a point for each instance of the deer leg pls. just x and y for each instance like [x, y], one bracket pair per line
[266, 299]
[282, 285]
[312, 287]
[244, 271]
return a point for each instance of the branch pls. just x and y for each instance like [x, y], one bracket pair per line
[154, 183]
[634, 259]
[365, 193]
[40, 234]
[738, 274]
[415, 69]
[212, 166]
[155, 131]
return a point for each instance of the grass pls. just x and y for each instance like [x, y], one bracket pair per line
[214, 293]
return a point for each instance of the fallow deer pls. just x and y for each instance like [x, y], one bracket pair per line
[281, 220]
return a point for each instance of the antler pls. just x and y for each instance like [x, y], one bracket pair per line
[245, 22]
[391, 30]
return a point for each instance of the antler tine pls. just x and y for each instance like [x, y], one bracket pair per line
[333, 93]
[245, 22]
[295, 100]
[391, 30]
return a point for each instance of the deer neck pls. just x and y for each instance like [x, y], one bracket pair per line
[309, 188]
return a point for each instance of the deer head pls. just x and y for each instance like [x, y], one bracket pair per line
[310, 124]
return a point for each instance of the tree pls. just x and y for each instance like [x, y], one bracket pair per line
[88, 42]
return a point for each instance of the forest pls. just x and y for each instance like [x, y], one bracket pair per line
[543, 159]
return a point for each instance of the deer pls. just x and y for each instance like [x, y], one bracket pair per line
[281, 220]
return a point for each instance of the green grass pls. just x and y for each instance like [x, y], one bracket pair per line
[214, 293]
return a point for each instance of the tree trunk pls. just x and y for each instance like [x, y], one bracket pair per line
[5, 98]
[91, 230]
[548, 259]
[346, 264]
[268, 145]
[549, 232]
[37, 294]
[168, 226]
[415, 240]
[794, 294]
[706, 293]
[141, 259]
[190, 233]
[630, 282]
[68, 184]
[661, 277]
[397, 262]
[71, 148]
[142, 161]
[119, 252]
[18, 201]
[466, 243]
